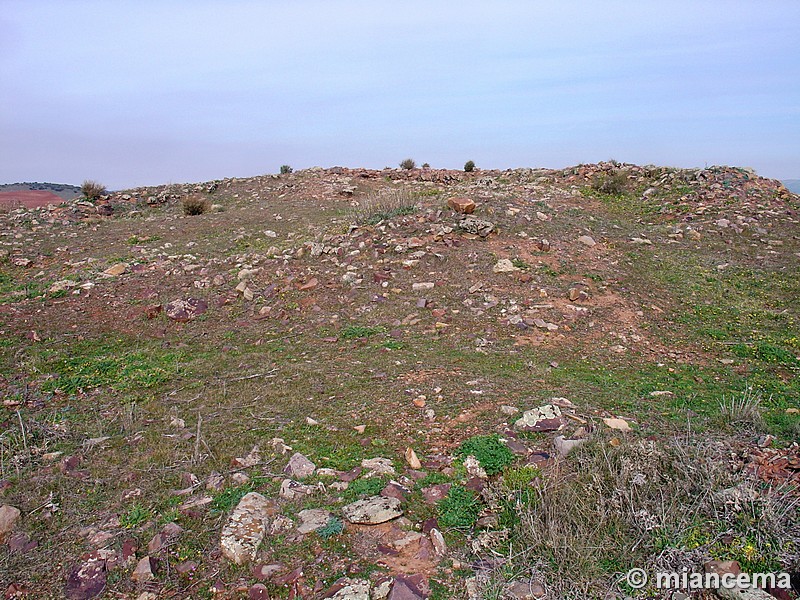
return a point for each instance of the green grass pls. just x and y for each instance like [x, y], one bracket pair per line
[134, 516]
[227, 499]
[353, 332]
[13, 290]
[490, 451]
[459, 509]
[122, 366]
[363, 488]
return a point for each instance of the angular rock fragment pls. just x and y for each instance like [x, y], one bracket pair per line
[245, 528]
[476, 226]
[299, 467]
[312, 519]
[372, 511]
[461, 205]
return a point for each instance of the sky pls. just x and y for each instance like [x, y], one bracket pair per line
[172, 91]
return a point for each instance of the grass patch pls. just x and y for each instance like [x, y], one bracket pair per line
[490, 451]
[353, 332]
[229, 497]
[619, 507]
[89, 364]
[363, 488]
[134, 516]
[459, 509]
[377, 208]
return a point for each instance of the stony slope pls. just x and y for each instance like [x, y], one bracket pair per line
[157, 367]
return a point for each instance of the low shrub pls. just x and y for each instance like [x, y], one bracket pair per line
[469, 166]
[92, 190]
[195, 205]
[614, 183]
[286, 169]
[408, 164]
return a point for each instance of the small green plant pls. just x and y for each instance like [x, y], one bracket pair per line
[361, 488]
[92, 365]
[352, 332]
[195, 205]
[520, 478]
[92, 190]
[520, 264]
[469, 166]
[286, 169]
[490, 451]
[426, 166]
[408, 164]
[134, 516]
[229, 497]
[334, 527]
[459, 508]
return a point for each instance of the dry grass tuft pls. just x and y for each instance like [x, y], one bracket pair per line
[376, 208]
[743, 410]
[194, 204]
[656, 506]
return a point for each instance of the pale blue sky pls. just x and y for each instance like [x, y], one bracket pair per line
[147, 92]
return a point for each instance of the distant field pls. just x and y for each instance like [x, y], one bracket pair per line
[62, 191]
[28, 199]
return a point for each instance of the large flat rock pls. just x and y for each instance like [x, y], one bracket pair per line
[245, 529]
[372, 511]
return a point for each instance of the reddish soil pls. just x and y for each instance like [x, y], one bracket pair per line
[28, 199]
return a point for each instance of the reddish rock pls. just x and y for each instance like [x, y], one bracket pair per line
[186, 567]
[407, 588]
[309, 285]
[289, 578]
[299, 467]
[351, 475]
[86, 580]
[69, 464]
[20, 542]
[143, 571]
[722, 567]
[435, 493]
[128, 549]
[462, 205]
[394, 490]
[476, 484]
[9, 515]
[264, 572]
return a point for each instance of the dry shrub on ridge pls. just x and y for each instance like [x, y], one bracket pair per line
[194, 204]
[92, 190]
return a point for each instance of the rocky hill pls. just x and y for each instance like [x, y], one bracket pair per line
[349, 383]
